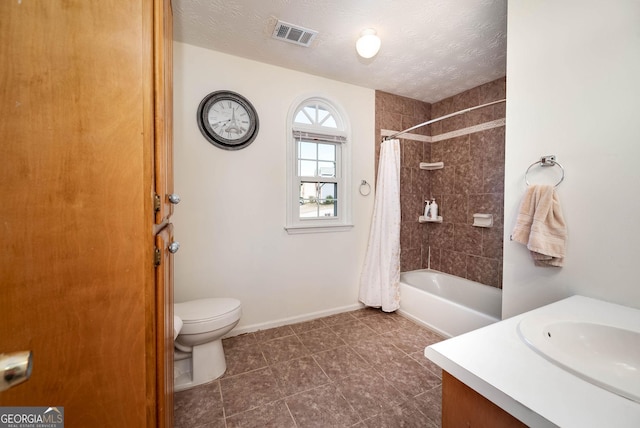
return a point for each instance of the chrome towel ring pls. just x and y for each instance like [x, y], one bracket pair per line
[549, 160]
[365, 188]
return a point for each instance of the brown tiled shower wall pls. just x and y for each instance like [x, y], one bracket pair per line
[472, 181]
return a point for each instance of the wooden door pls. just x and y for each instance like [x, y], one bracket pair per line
[164, 321]
[76, 270]
[163, 89]
[163, 207]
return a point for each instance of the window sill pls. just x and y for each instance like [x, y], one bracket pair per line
[295, 230]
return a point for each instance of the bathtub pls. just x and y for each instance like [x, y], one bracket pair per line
[448, 304]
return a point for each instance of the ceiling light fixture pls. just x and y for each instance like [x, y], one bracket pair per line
[368, 44]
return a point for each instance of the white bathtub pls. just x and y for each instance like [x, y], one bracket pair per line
[448, 304]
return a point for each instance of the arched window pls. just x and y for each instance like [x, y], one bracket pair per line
[318, 168]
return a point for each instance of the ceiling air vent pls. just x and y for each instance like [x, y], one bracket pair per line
[294, 34]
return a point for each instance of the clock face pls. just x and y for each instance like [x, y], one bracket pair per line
[227, 120]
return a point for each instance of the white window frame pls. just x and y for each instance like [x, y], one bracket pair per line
[340, 136]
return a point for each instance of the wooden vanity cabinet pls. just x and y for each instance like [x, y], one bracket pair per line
[86, 275]
[464, 407]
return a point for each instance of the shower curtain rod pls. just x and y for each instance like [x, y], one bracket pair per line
[428, 122]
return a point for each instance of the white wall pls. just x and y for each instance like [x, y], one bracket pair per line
[231, 218]
[573, 90]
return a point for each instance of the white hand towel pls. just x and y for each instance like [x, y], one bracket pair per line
[541, 227]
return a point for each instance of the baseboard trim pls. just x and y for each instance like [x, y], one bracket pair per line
[292, 320]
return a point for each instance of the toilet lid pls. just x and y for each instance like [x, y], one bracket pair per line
[205, 309]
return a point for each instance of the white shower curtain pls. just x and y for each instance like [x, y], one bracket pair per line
[380, 278]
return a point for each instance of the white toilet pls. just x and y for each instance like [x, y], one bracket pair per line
[199, 357]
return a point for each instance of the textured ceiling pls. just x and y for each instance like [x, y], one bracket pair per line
[431, 49]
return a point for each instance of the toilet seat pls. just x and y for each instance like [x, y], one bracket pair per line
[202, 315]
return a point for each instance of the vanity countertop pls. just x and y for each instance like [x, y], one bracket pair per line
[496, 362]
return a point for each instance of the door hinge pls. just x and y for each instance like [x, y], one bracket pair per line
[157, 257]
[156, 202]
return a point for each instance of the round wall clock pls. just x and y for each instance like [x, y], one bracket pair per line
[227, 120]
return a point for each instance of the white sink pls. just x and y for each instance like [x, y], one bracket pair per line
[601, 348]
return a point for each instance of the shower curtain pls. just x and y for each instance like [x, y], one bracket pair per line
[380, 277]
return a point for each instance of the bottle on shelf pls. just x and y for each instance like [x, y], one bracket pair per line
[426, 208]
[433, 210]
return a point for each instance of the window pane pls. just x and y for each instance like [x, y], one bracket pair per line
[307, 150]
[327, 152]
[322, 114]
[330, 123]
[311, 112]
[302, 118]
[307, 168]
[308, 200]
[318, 200]
[326, 169]
[327, 190]
[316, 115]
[309, 191]
[328, 201]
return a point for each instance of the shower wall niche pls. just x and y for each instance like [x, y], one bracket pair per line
[471, 145]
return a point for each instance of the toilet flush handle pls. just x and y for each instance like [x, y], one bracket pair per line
[174, 247]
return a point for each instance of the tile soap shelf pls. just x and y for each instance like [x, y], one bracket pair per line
[482, 220]
[431, 166]
[423, 219]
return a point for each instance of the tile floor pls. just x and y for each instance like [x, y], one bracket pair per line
[364, 368]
